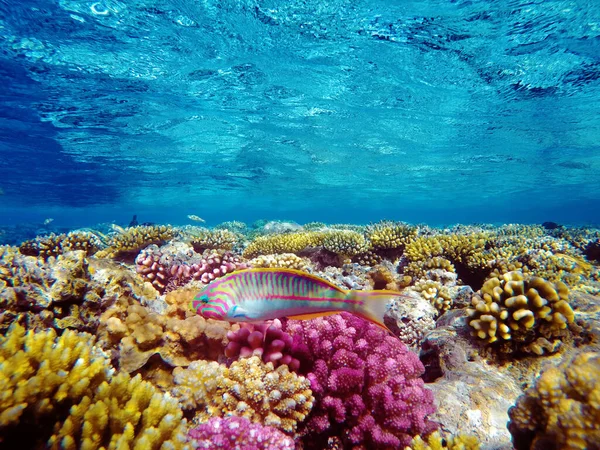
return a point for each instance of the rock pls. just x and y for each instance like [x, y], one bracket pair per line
[472, 396]
[410, 317]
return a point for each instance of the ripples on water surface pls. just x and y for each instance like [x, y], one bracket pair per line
[414, 110]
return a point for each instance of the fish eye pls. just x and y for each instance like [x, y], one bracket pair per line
[204, 298]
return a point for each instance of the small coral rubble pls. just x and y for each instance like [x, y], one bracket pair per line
[562, 410]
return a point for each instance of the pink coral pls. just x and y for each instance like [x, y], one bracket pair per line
[367, 384]
[266, 340]
[168, 271]
[240, 434]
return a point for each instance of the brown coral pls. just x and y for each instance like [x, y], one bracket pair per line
[125, 244]
[249, 388]
[562, 410]
[512, 308]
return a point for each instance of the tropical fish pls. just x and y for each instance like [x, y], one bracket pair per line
[195, 218]
[117, 228]
[48, 221]
[253, 295]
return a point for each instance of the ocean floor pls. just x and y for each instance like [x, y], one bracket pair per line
[494, 344]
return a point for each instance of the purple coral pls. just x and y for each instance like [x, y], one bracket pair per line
[367, 384]
[266, 340]
[238, 433]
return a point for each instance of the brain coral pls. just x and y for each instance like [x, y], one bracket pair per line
[66, 387]
[562, 410]
[367, 385]
[249, 388]
[527, 312]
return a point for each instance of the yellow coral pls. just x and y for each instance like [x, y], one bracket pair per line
[390, 235]
[284, 243]
[54, 245]
[511, 307]
[562, 409]
[222, 239]
[128, 242]
[345, 242]
[418, 269]
[41, 376]
[284, 260]
[436, 293]
[435, 441]
[249, 388]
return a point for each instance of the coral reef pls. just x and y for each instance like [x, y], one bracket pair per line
[562, 409]
[179, 336]
[390, 235]
[235, 433]
[67, 385]
[173, 266]
[249, 388]
[367, 385]
[54, 245]
[266, 340]
[283, 243]
[410, 318]
[284, 260]
[530, 314]
[125, 244]
[436, 293]
[204, 239]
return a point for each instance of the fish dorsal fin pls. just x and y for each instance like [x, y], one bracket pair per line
[294, 272]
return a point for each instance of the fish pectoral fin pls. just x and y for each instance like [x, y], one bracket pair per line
[313, 315]
[237, 312]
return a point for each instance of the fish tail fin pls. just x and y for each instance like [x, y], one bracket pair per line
[372, 305]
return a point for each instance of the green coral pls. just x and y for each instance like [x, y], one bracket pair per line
[529, 313]
[345, 242]
[222, 239]
[562, 410]
[284, 243]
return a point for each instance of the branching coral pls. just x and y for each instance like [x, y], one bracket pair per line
[284, 260]
[249, 388]
[512, 308]
[420, 269]
[54, 245]
[367, 384]
[203, 239]
[41, 376]
[171, 266]
[238, 433]
[345, 243]
[284, 243]
[562, 409]
[126, 244]
[390, 235]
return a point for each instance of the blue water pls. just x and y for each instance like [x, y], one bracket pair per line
[433, 111]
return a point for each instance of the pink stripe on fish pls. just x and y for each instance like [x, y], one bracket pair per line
[317, 299]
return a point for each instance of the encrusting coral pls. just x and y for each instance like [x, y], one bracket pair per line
[435, 441]
[178, 335]
[562, 410]
[66, 386]
[528, 313]
[366, 383]
[248, 388]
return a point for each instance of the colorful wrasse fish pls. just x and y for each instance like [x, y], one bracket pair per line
[253, 295]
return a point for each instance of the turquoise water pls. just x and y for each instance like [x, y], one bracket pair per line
[424, 111]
